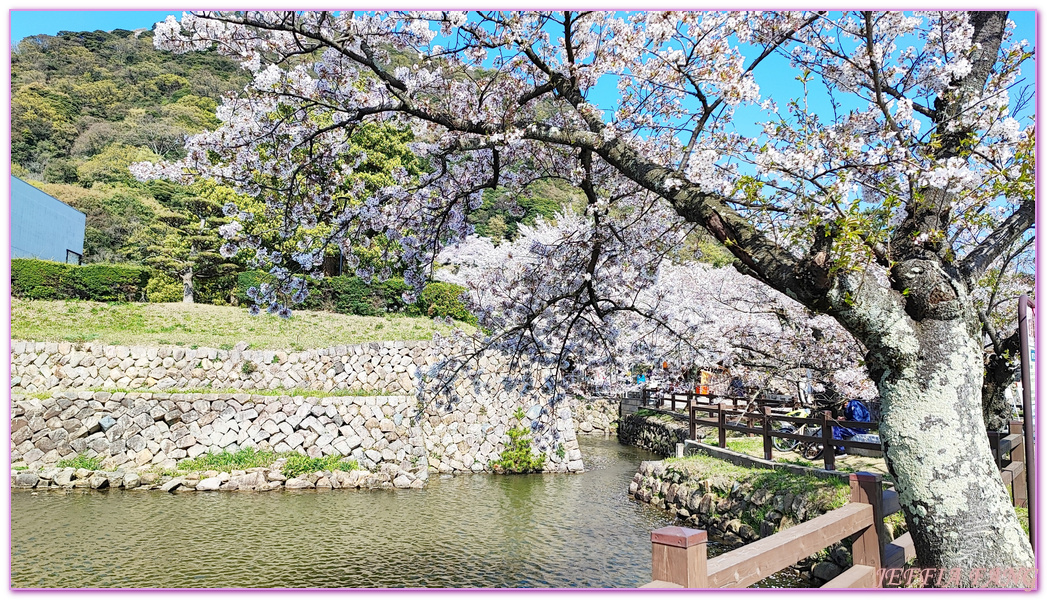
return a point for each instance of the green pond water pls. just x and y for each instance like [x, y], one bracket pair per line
[467, 531]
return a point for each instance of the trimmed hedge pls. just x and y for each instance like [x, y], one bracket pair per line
[39, 279]
[109, 283]
[47, 280]
[351, 296]
[440, 299]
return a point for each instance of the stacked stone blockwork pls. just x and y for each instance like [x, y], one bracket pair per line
[392, 427]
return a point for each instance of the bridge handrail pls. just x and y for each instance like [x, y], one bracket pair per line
[679, 556]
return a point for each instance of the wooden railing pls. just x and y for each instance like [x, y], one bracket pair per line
[1008, 449]
[679, 555]
[766, 424]
[1009, 452]
[659, 398]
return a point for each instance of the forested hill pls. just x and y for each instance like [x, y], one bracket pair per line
[78, 96]
[85, 105]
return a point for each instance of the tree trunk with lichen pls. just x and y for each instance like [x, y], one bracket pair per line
[925, 356]
[937, 450]
[1000, 371]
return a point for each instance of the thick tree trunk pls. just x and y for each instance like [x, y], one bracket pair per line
[1000, 371]
[935, 441]
[187, 286]
[925, 356]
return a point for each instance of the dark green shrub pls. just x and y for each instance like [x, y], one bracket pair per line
[47, 280]
[109, 283]
[392, 291]
[247, 280]
[217, 290]
[39, 279]
[162, 288]
[351, 296]
[441, 299]
[347, 295]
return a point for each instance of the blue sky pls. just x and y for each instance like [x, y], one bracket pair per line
[33, 22]
[775, 78]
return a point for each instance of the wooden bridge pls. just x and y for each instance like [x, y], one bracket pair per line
[679, 556]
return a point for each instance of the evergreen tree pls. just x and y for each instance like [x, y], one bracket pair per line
[184, 240]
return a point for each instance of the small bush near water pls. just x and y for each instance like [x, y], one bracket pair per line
[300, 464]
[518, 456]
[244, 458]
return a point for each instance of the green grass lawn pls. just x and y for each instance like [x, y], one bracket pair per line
[128, 324]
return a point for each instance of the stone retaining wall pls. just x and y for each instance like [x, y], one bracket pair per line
[257, 479]
[738, 512]
[595, 416]
[457, 433]
[390, 367]
[659, 432]
[145, 429]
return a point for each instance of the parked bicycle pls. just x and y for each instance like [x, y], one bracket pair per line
[808, 450]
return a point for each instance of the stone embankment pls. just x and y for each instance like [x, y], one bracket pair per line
[392, 425]
[595, 416]
[653, 430]
[258, 479]
[390, 367]
[145, 430]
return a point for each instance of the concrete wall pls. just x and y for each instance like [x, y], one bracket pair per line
[43, 226]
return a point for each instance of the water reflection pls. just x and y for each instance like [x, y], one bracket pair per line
[468, 531]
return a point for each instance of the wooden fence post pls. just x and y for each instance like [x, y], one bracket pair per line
[767, 448]
[994, 446]
[692, 427]
[679, 555]
[828, 450]
[1019, 485]
[868, 546]
[721, 421]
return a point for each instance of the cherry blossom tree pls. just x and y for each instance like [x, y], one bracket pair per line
[693, 314]
[878, 195]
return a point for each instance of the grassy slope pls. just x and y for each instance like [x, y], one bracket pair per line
[204, 325]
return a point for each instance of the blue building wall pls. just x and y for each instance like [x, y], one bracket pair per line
[43, 226]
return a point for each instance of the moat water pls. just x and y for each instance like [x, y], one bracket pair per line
[467, 531]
